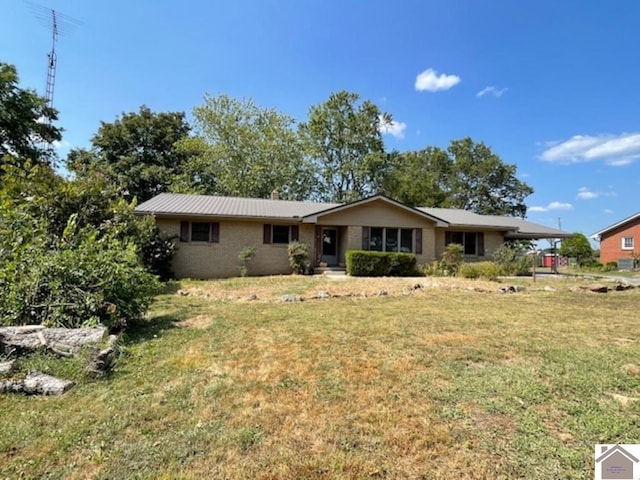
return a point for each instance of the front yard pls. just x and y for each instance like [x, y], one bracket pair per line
[387, 378]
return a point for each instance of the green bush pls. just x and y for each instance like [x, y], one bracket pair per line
[299, 257]
[611, 266]
[452, 259]
[512, 259]
[361, 263]
[247, 253]
[84, 277]
[484, 270]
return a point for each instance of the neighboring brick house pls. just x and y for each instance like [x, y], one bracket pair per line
[620, 241]
[210, 231]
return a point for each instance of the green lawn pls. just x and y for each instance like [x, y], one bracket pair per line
[454, 380]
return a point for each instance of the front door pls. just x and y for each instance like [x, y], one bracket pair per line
[330, 246]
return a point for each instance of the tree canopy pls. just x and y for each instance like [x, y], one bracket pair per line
[137, 152]
[26, 131]
[468, 175]
[343, 138]
[577, 246]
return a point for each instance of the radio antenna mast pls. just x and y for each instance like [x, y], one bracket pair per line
[60, 25]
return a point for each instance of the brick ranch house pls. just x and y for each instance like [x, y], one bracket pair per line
[210, 231]
[617, 241]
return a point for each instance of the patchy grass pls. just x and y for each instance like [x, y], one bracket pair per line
[448, 380]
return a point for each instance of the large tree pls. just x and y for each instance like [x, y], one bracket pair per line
[245, 150]
[26, 131]
[137, 152]
[343, 137]
[483, 183]
[468, 175]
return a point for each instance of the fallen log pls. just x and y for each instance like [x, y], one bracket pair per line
[63, 341]
[36, 383]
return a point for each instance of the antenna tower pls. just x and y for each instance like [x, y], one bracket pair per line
[60, 25]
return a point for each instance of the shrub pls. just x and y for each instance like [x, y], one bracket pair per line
[245, 256]
[432, 269]
[611, 266]
[361, 263]
[84, 277]
[299, 257]
[484, 270]
[452, 259]
[511, 259]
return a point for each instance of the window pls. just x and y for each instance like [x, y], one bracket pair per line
[199, 232]
[280, 234]
[385, 239]
[627, 243]
[472, 242]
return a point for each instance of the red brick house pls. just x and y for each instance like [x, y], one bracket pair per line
[620, 241]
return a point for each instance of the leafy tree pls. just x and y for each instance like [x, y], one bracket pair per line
[25, 128]
[577, 246]
[482, 183]
[137, 152]
[344, 139]
[419, 178]
[244, 150]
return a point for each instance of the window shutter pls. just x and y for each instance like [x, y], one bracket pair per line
[418, 248]
[214, 233]
[365, 238]
[184, 231]
[295, 233]
[447, 238]
[266, 234]
[481, 244]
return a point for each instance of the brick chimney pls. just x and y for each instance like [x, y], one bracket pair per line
[275, 194]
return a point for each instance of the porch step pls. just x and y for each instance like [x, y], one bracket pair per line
[333, 271]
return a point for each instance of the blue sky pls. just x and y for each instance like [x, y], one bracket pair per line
[551, 86]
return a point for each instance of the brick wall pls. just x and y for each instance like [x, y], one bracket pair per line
[611, 243]
[219, 260]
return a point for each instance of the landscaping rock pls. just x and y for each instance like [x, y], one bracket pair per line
[620, 286]
[549, 289]
[6, 367]
[36, 383]
[63, 341]
[102, 361]
[597, 288]
[383, 293]
[512, 289]
[290, 298]
[623, 399]
[253, 296]
[323, 294]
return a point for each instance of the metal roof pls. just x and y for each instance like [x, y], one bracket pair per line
[597, 235]
[520, 228]
[208, 205]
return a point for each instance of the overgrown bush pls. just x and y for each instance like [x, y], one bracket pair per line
[610, 266]
[452, 259]
[432, 269]
[475, 270]
[512, 259]
[361, 263]
[83, 277]
[247, 253]
[299, 257]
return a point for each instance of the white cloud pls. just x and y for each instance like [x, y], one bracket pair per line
[614, 150]
[392, 128]
[551, 206]
[62, 145]
[585, 194]
[495, 91]
[430, 81]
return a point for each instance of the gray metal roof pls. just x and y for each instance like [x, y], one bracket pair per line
[207, 205]
[520, 228]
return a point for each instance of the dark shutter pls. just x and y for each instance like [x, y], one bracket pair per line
[481, 244]
[447, 238]
[418, 248]
[184, 231]
[365, 238]
[295, 233]
[214, 236]
[266, 233]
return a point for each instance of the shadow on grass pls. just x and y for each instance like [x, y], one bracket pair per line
[170, 287]
[151, 328]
